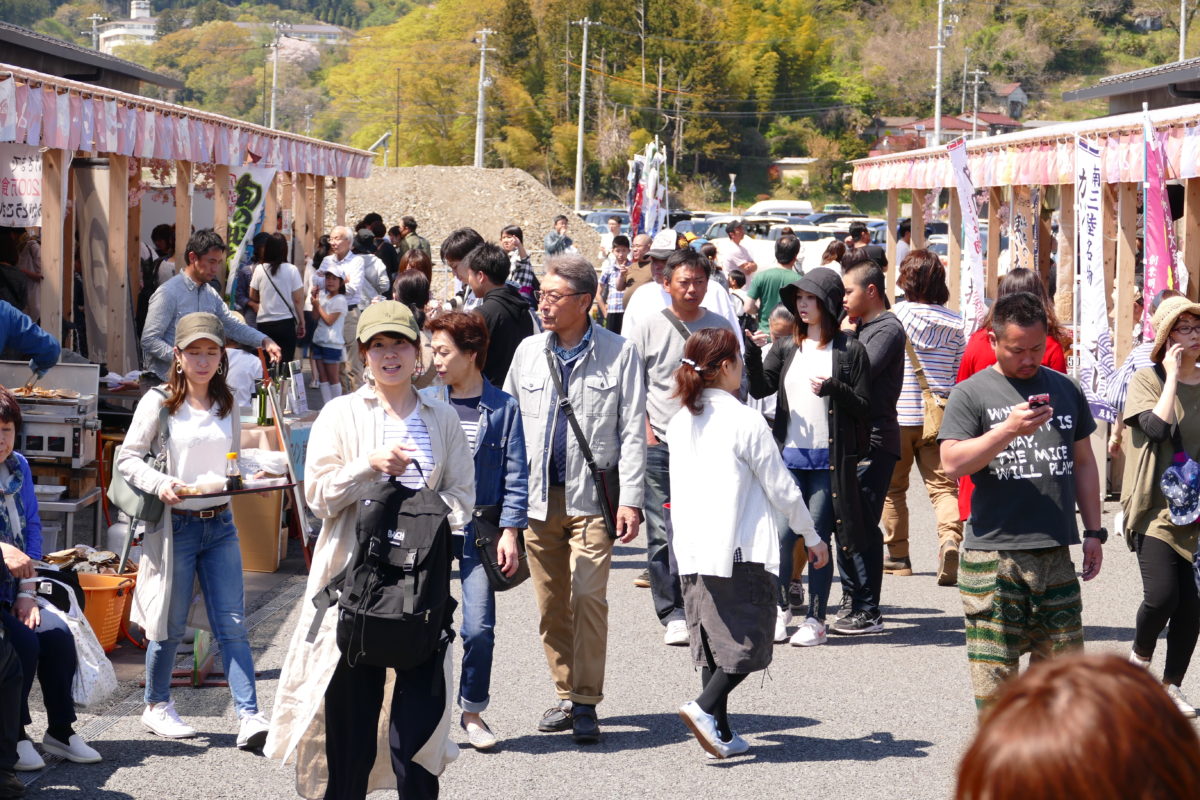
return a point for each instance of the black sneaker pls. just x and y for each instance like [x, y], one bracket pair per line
[858, 623]
[556, 719]
[796, 597]
[10, 787]
[585, 729]
[642, 581]
[845, 609]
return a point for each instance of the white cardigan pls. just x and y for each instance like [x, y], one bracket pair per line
[729, 489]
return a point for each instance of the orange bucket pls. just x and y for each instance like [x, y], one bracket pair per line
[106, 599]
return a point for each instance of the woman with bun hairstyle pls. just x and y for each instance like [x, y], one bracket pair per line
[728, 487]
[196, 538]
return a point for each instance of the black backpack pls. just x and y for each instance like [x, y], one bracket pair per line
[393, 600]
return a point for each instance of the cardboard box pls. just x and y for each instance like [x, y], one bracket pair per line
[257, 520]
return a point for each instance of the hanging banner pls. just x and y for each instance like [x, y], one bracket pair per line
[250, 186]
[1159, 240]
[971, 288]
[1097, 362]
[20, 186]
[646, 199]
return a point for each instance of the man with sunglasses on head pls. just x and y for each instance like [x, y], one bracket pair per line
[569, 545]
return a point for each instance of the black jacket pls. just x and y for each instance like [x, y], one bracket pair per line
[850, 411]
[506, 313]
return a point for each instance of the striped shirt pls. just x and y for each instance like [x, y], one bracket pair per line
[1118, 386]
[936, 334]
[412, 431]
[467, 409]
[608, 280]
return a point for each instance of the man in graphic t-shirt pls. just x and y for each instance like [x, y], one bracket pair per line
[1021, 432]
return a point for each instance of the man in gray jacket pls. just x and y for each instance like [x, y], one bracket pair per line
[187, 292]
[569, 549]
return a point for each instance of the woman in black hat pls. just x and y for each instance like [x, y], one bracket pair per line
[821, 423]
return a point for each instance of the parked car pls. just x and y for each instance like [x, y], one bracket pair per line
[823, 217]
[829, 208]
[598, 219]
[790, 208]
[697, 226]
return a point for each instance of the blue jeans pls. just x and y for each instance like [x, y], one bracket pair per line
[815, 486]
[478, 629]
[207, 548]
[664, 583]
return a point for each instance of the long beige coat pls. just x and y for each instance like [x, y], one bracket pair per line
[151, 598]
[337, 474]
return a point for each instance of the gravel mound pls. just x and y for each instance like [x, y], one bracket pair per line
[444, 198]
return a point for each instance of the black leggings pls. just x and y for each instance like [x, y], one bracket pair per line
[717, 685]
[283, 331]
[1168, 594]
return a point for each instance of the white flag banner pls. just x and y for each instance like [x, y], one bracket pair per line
[20, 186]
[250, 185]
[1097, 364]
[970, 300]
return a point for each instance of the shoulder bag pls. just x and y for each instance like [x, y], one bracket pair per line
[134, 502]
[934, 404]
[607, 481]
[486, 522]
[287, 302]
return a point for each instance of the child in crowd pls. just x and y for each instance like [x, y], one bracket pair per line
[329, 342]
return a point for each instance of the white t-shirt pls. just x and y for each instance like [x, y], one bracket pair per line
[808, 414]
[198, 442]
[244, 370]
[731, 254]
[332, 335]
[274, 307]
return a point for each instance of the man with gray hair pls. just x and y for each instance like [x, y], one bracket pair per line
[358, 296]
[570, 550]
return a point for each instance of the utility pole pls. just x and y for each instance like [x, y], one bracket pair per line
[678, 143]
[1182, 27]
[966, 57]
[96, 19]
[484, 82]
[396, 125]
[937, 97]
[977, 73]
[584, 23]
[277, 29]
[658, 102]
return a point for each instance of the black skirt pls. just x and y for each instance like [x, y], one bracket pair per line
[737, 615]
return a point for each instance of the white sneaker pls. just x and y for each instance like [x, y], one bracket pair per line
[677, 633]
[76, 749]
[704, 727]
[810, 633]
[161, 719]
[734, 747]
[28, 759]
[783, 618]
[1138, 661]
[1181, 702]
[252, 733]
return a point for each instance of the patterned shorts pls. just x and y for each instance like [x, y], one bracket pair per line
[1017, 602]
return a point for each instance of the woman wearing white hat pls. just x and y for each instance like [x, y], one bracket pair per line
[1162, 411]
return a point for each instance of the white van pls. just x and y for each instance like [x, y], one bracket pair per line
[787, 208]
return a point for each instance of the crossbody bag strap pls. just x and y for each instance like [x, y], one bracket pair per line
[565, 403]
[918, 370]
[282, 296]
[676, 323]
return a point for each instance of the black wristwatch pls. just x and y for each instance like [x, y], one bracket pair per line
[1099, 533]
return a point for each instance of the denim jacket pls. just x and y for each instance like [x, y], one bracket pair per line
[501, 472]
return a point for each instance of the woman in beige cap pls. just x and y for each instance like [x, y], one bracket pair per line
[196, 537]
[1162, 411]
[327, 712]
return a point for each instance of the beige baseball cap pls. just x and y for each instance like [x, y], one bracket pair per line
[387, 316]
[199, 325]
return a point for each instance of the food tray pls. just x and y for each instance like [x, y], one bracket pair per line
[273, 487]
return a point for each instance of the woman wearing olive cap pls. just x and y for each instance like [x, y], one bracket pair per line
[196, 537]
[327, 712]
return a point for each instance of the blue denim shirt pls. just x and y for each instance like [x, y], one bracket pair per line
[501, 471]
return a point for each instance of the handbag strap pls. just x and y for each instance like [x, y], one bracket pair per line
[267, 271]
[918, 370]
[565, 404]
[676, 323]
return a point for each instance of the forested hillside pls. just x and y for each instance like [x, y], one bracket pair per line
[732, 83]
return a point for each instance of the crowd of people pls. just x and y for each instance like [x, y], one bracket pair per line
[756, 421]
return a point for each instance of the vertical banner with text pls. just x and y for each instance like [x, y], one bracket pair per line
[1159, 241]
[250, 186]
[20, 186]
[971, 283]
[1097, 362]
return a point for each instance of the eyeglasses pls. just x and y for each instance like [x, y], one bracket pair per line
[1186, 330]
[552, 298]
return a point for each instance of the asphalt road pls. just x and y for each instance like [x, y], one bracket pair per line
[879, 716]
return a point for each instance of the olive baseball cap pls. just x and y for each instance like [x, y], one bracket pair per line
[199, 325]
[387, 316]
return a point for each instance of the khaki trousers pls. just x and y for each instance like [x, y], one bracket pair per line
[569, 559]
[352, 366]
[943, 493]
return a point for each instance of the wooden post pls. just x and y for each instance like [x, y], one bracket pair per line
[287, 181]
[271, 207]
[1108, 199]
[183, 210]
[893, 222]
[55, 163]
[955, 266]
[1127, 202]
[68, 259]
[1191, 236]
[991, 269]
[300, 218]
[319, 210]
[117, 294]
[221, 201]
[340, 214]
[1064, 297]
[918, 219]
[133, 250]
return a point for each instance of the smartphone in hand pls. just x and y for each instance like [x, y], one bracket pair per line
[1038, 400]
